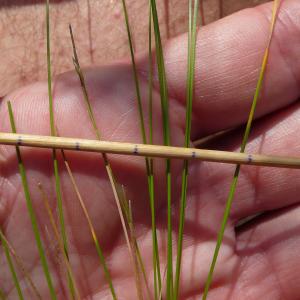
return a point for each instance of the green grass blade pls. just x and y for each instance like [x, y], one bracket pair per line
[149, 163]
[243, 146]
[11, 265]
[49, 72]
[192, 35]
[53, 131]
[54, 156]
[167, 140]
[150, 78]
[156, 259]
[162, 75]
[31, 211]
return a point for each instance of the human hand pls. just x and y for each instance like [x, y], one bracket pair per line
[22, 33]
[257, 260]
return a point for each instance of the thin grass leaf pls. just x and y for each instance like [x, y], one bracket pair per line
[162, 75]
[149, 162]
[59, 239]
[156, 259]
[91, 227]
[54, 157]
[167, 140]
[242, 150]
[150, 76]
[20, 265]
[108, 168]
[11, 266]
[192, 36]
[31, 210]
[53, 132]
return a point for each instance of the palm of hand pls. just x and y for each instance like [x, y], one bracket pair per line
[256, 260]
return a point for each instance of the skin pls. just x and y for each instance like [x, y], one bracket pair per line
[259, 260]
[22, 42]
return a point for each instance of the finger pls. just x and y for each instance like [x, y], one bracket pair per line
[269, 260]
[262, 264]
[116, 116]
[228, 59]
[259, 189]
[260, 260]
[111, 92]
